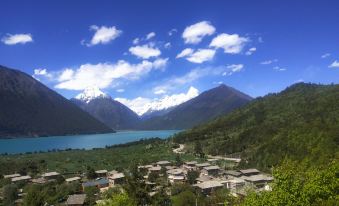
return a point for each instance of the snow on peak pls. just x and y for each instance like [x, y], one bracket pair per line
[91, 93]
[142, 105]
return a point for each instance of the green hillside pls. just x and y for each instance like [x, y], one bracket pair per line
[299, 123]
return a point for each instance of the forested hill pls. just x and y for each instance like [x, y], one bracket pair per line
[29, 108]
[301, 123]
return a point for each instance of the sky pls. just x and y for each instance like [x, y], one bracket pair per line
[145, 51]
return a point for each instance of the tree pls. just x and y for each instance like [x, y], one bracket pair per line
[178, 160]
[198, 149]
[192, 175]
[9, 194]
[35, 196]
[121, 199]
[185, 198]
[91, 173]
[91, 193]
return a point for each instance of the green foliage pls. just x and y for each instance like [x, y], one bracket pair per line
[91, 173]
[185, 198]
[9, 194]
[296, 184]
[192, 175]
[300, 122]
[118, 200]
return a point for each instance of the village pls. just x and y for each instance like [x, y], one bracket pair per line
[205, 177]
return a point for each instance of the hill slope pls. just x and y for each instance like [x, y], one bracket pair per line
[208, 105]
[110, 112]
[299, 122]
[28, 108]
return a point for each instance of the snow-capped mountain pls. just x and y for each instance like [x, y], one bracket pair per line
[145, 106]
[107, 110]
[91, 93]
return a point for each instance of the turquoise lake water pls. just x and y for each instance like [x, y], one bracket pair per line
[22, 145]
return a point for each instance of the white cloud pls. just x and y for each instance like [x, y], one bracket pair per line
[42, 73]
[335, 64]
[136, 41]
[280, 69]
[325, 55]
[160, 91]
[104, 75]
[233, 68]
[168, 45]
[172, 31]
[103, 35]
[185, 52]
[175, 82]
[150, 35]
[145, 51]
[120, 90]
[251, 51]
[268, 61]
[195, 33]
[67, 74]
[12, 39]
[231, 43]
[141, 105]
[199, 56]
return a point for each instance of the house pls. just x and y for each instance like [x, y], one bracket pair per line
[163, 163]
[203, 178]
[176, 178]
[175, 172]
[101, 173]
[72, 179]
[11, 176]
[250, 172]
[235, 183]
[202, 165]
[21, 179]
[259, 180]
[232, 173]
[50, 175]
[211, 170]
[116, 178]
[40, 181]
[100, 183]
[190, 165]
[208, 186]
[153, 169]
[76, 200]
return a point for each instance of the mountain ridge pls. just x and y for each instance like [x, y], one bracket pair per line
[30, 109]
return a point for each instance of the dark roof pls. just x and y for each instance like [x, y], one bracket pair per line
[102, 181]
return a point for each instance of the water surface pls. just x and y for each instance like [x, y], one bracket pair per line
[22, 145]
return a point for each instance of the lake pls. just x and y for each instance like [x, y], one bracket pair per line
[22, 145]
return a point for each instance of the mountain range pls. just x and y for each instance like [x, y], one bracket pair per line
[28, 108]
[299, 123]
[105, 109]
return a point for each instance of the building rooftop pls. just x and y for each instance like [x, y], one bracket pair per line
[257, 178]
[40, 180]
[101, 171]
[203, 178]
[232, 173]
[209, 184]
[214, 167]
[157, 168]
[117, 176]
[11, 176]
[15, 179]
[249, 171]
[205, 164]
[102, 181]
[72, 179]
[50, 174]
[175, 171]
[164, 162]
[76, 199]
[191, 163]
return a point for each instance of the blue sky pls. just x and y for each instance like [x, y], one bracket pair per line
[257, 47]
